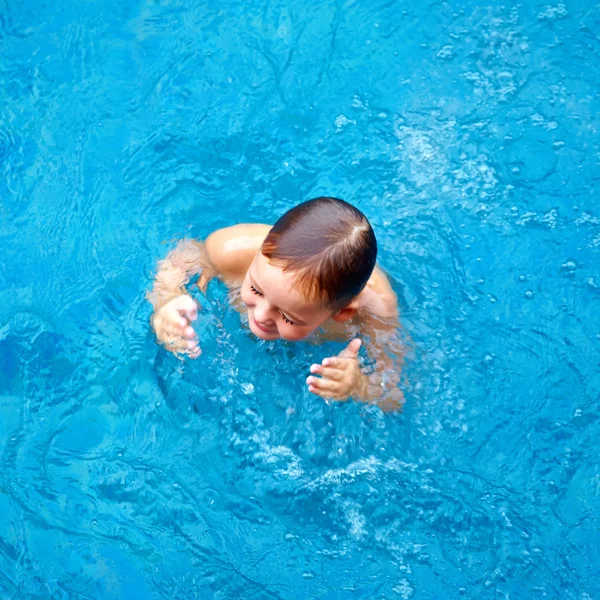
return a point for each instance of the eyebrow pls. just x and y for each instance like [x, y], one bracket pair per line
[288, 314]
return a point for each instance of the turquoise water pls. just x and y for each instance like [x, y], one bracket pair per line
[467, 132]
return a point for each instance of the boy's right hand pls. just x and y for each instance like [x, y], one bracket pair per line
[172, 325]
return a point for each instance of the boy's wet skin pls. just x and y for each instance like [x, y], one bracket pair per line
[283, 301]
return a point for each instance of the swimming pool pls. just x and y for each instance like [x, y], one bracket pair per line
[467, 132]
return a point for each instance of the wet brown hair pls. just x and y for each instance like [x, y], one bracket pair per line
[329, 244]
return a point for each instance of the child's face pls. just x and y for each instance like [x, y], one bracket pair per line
[275, 309]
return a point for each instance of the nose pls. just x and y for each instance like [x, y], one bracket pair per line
[262, 312]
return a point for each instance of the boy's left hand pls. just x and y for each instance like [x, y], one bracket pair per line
[341, 376]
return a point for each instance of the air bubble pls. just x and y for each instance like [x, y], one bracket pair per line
[308, 574]
[493, 299]
[529, 294]
[569, 265]
[446, 53]
[522, 278]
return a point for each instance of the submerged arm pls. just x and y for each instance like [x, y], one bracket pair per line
[341, 377]
[226, 253]
[174, 272]
[385, 348]
[174, 308]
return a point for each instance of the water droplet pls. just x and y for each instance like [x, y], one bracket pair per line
[529, 294]
[247, 388]
[446, 53]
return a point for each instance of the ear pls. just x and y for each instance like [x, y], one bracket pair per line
[346, 313]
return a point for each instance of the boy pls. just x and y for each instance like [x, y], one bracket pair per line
[314, 269]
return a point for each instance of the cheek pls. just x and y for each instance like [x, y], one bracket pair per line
[293, 333]
[247, 296]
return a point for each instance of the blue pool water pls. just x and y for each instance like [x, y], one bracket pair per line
[468, 131]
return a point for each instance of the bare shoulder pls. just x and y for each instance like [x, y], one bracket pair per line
[378, 298]
[232, 249]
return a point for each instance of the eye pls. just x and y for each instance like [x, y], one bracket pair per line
[255, 291]
[286, 319]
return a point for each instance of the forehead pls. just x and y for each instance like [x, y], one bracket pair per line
[280, 289]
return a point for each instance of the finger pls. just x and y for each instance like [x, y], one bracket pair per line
[191, 314]
[194, 352]
[335, 362]
[351, 350]
[184, 348]
[323, 393]
[313, 390]
[328, 372]
[325, 385]
[177, 320]
[188, 308]
[175, 342]
[173, 331]
[332, 374]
